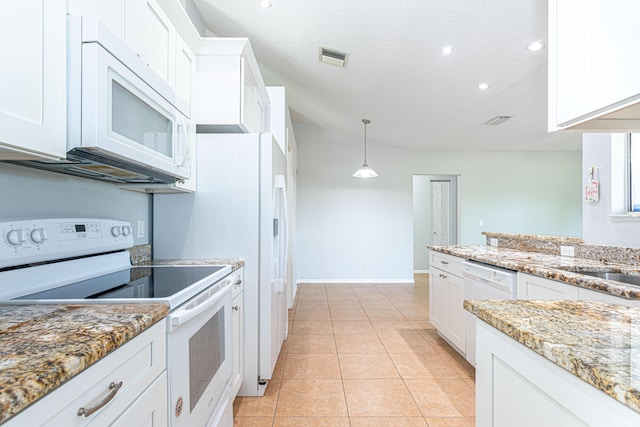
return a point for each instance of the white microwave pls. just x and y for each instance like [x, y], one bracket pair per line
[122, 121]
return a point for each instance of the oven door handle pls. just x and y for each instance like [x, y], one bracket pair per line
[187, 313]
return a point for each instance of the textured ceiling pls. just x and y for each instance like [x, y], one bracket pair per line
[397, 77]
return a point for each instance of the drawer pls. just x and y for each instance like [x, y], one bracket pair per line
[448, 263]
[137, 364]
[238, 282]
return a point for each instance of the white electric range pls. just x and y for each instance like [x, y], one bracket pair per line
[85, 261]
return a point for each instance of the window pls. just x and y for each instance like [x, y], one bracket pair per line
[633, 172]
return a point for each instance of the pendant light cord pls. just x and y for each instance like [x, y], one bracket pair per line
[366, 122]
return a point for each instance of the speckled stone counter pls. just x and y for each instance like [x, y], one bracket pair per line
[234, 263]
[554, 267]
[42, 346]
[597, 342]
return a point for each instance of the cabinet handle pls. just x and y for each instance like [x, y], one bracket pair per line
[236, 308]
[238, 282]
[443, 276]
[114, 387]
[444, 262]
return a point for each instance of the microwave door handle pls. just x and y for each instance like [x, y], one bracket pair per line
[182, 145]
[182, 316]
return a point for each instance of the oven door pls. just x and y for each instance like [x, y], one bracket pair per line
[199, 355]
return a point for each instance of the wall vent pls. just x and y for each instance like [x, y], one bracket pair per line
[497, 120]
[333, 57]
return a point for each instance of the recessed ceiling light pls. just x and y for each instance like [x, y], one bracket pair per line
[535, 46]
[265, 3]
[483, 86]
[447, 50]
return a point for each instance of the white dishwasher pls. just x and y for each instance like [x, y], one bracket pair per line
[481, 282]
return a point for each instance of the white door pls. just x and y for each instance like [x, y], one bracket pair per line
[440, 212]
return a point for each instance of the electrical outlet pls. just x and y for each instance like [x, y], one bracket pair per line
[567, 251]
[140, 233]
[494, 242]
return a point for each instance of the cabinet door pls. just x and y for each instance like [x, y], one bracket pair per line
[456, 332]
[237, 326]
[439, 300]
[33, 79]
[593, 58]
[149, 410]
[588, 294]
[119, 15]
[249, 97]
[185, 72]
[538, 288]
[157, 41]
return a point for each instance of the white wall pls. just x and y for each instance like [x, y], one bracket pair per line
[599, 227]
[343, 221]
[29, 193]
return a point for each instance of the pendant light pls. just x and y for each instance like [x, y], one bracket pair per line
[365, 171]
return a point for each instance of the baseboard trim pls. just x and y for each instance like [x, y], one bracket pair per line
[420, 271]
[348, 281]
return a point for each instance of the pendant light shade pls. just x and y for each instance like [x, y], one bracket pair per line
[365, 171]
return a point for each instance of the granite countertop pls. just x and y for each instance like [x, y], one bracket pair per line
[597, 342]
[234, 263]
[552, 267]
[42, 346]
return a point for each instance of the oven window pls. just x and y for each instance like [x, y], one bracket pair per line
[206, 354]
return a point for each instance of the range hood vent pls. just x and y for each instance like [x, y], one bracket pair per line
[333, 57]
[497, 120]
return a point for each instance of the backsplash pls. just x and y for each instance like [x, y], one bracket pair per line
[551, 245]
[140, 254]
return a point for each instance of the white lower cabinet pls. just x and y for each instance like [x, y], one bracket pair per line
[446, 298]
[237, 327]
[538, 288]
[517, 387]
[141, 399]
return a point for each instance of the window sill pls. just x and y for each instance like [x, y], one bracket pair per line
[626, 217]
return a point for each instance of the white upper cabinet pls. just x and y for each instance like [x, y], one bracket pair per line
[185, 72]
[593, 63]
[232, 97]
[33, 79]
[157, 41]
[121, 16]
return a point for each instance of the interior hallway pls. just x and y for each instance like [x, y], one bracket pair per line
[364, 355]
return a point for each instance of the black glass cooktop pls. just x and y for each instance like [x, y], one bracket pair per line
[136, 282]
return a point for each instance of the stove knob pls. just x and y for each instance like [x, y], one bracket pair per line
[115, 231]
[126, 230]
[15, 237]
[38, 235]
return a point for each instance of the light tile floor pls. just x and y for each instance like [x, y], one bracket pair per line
[364, 355]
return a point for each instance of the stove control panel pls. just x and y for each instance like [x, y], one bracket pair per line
[38, 240]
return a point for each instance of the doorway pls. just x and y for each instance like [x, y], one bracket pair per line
[435, 215]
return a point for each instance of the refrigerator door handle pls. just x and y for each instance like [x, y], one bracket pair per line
[280, 264]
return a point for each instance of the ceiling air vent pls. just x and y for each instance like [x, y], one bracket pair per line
[333, 57]
[497, 120]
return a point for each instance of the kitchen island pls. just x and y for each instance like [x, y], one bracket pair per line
[44, 346]
[557, 363]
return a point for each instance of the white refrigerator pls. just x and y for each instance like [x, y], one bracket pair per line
[238, 211]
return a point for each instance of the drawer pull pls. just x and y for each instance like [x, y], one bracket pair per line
[114, 387]
[238, 282]
[236, 307]
[444, 262]
[443, 276]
